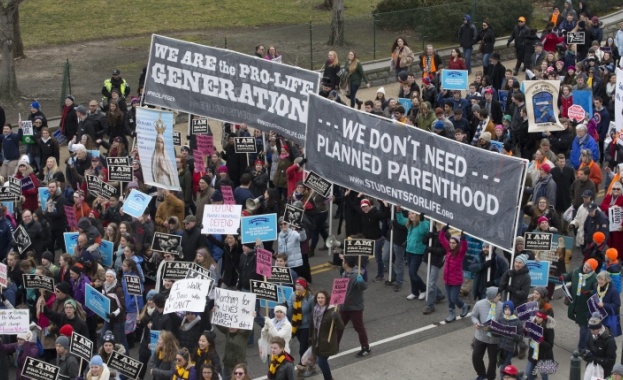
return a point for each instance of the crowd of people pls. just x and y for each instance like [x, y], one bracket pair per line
[566, 171]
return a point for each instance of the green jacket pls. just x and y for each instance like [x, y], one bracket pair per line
[415, 235]
[322, 344]
[578, 308]
[357, 76]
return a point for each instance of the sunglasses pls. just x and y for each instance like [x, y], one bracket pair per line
[239, 373]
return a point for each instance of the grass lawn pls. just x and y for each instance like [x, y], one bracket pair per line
[47, 22]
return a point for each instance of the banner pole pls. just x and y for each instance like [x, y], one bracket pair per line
[330, 219]
[267, 308]
[491, 248]
[518, 223]
[337, 307]
[247, 159]
[391, 242]
[265, 158]
[430, 243]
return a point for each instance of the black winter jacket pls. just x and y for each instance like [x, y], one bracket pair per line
[519, 287]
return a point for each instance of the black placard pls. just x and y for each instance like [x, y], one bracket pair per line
[197, 271]
[576, 38]
[318, 184]
[280, 275]
[165, 243]
[108, 190]
[81, 346]
[198, 126]
[245, 145]
[36, 369]
[293, 215]
[21, 239]
[177, 138]
[264, 290]
[15, 186]
[176, 270]
[94, 185]
[359, 247]
[120, 173]
[118, 161]
[538, 241]
[6, 195]
[133, 284]
[33, 281]
[125, 365]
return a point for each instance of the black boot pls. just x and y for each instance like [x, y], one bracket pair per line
[359, 103]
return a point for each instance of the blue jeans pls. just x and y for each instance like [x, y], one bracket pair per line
[434, 293]
[378, 255]
[584, 335]
[417, 285]
[398, 261]
[353, 94]
[467, 55]
[530, 367]
[453, 297]
[485, 60]
[506, 356]
[323, 364]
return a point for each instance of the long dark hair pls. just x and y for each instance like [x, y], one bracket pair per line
[395, 44]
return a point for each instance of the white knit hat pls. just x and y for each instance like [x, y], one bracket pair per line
[381, 90]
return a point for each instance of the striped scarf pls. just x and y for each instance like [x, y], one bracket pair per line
[181, 373]
[297, 314]
[275, 362]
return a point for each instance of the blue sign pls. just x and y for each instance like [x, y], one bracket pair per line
[136, 203]
[60, 137]
[94, 152]
[263, 227]
[503, 97]
[584, 98]
[97, 302]
[454, 80]
[106, 251]
[9, 206]
[539, 272]
[44, 194]
[71, 240]
[406, 104]
[154, 335]
[283, 293]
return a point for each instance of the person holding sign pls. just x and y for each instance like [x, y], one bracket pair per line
[583, 284]
[542, 350]
[485, 310]
[184, 367]
[353, 304]
[602, 348]
[30, 183]
[108, 346]
[67, 362]
[162, 362]
[610, 300]
[22, 349]
[289, 242]
[324, 341]
[206, 355]
[508, 344]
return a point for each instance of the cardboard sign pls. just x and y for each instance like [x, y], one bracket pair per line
[136, 203]
[264, 260]
[318, 184]
[71, 240]
[264, 290]
[97, 302]
[15, 186]
[3, 275]
[133, 285]
[358, 247]
[70, 214]
[338, 292]
[615, 216]
[118, 161]
[233, 309]
[33, 281]
[189, 294]
[593, 306]
[263, 227]
[120, 173]
[165, 243]
[14, 321]
[538, 241]
[245, 145]
[21, 238]
[176, 270]
[527, 310]
[228, 195]
[293, 215]
[81, 346]
[205, 144]
[576, 112]
[221, 219]
[533, 331]
[36, 369]
[576, 38]
[125, 365]
[198, 126]
[539, 272]
[280, 275]
[500, 329]
[106, 252]
[177, 138]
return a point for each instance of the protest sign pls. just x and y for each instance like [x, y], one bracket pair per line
[503, 98]
[584, 98]
[454, 80]
[221, 219]
[136, 203]
[615, 217]
[71, 240]
[154, 335]
[198, 126]
[533, 331]
[133, 285]
[27, 129]
[154, 133]
[318, 184]
[527, 310]
[566, 291]
[542, 105]
[474, 190]
[228, 195]
[44, 194]
[245, 145]
[293, 215]
[60, 137]
[539, 272]
[338, 292]
[7, 195]
[10, 207]
[81, 346]
[264, 290]
[34, 281]
[106, 252]
[125, 365]
[229, 86]
[576, 38]
[406, 103]
[3, 275]
[15, 186]
[233, 309]
[199, 161]
[165, 243]
[593, 306]
[119, 161]
[280, 275]
[576, 113]
[284, 292]
[176, 270]
[96, 302]
[70, 214]
[263, 227]
[197, 271]
[263, 262]
[107, 190]
[21, 239]
[538, 241]
[358, 247]
[120, 173]
[26, 183]
[188, 294]
[36, 369]
[94, 185]
[14, 321]
[177, 138]
[618, 100]
[497, 328]
[205, 144]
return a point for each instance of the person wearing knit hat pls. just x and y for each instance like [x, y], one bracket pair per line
[613, 266]
[21, 350]
[617, 370]
[98, 370]
[279, 326]
[64, 287]
[150, 295]
[483, 311]
[596, 249]
[541, 350]
[515, 282]
[507, 344]
[602, 348]
[68, 363]
[63, 342]
[66, 330]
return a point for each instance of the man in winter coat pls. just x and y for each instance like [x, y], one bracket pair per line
[352, 310]
[520, 31]
[483, 311]
[467, 39]
[54, 211]
[602, 349]
[583, 286]
[192, 238]
[545, 186]
[10, 149]
[516, 282]
[563, 176]
[67, 362]
[596, 221]
[582, 141]
[484, 263]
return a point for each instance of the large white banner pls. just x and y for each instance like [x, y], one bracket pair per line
[154, 131]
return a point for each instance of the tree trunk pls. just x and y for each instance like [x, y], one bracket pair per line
[337, 24]
[328, 4]
[18, 43]
[8, 80]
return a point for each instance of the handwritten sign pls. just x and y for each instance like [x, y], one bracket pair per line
[264, 260]
[125, 365]
[280, 275]
[527, 310]
[97, 302]
[188, 294]
[338, 293]
[35, 369]
[263, 227]
[228, 195]
[81, 346]
[264, 290]
[199, 157]
[3, 275]
[233, 309]
[14, 321]
[221, 219]
[205, 144]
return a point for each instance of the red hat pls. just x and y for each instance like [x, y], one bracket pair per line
[542, 219]
[222, 169]
[541, 315]
[489, 91]
[546, 168]
[302, 282]
[510, 370]
[426, 80]
[364, 202]
[66, 330]
[259, 162]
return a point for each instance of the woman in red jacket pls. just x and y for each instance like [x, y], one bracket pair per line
[456, 60]
[30, 185]
[456, 249]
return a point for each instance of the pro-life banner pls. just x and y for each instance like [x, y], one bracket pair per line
[125, 365]
[154, 133]
[500, 329]
[527, 310]
[229, 86]
[618, 101]
[36, 369]
[542, 105]
[280, 275]
[34, 281]
[472, 189]
[533, 331]
[81, 346]
[537, 241]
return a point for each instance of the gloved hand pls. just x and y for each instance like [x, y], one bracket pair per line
[2, 297]
[359, 278]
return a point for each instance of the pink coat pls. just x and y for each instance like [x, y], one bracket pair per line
[453, 269]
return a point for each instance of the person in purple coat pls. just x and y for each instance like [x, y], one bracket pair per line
[22, 349]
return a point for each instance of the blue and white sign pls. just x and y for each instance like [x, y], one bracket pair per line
[96, 302]
[503, 98]
[406, 104]
[44, 194]
[454, 80]
[283, 292]
[136, 203]
[9, 206]
[539, 272]
[106, 251]
[154, 335]
[584, 98]
[263, 227]
[71, 240]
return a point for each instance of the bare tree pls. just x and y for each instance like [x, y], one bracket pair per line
[18, 43]
[8, 80]
[337, 24]
[328, 4]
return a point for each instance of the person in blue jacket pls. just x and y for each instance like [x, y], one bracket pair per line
[10, 150]
[417, 230]
[581, 141]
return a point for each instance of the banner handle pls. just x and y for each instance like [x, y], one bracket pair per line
[337, 308]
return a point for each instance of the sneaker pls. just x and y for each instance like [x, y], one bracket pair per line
[440, 299]
[379, 279]
[451, 316]
[422, 296]
[411, 297]
[398, 287]
[464, 310]
[429, 310]
[363, 352]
